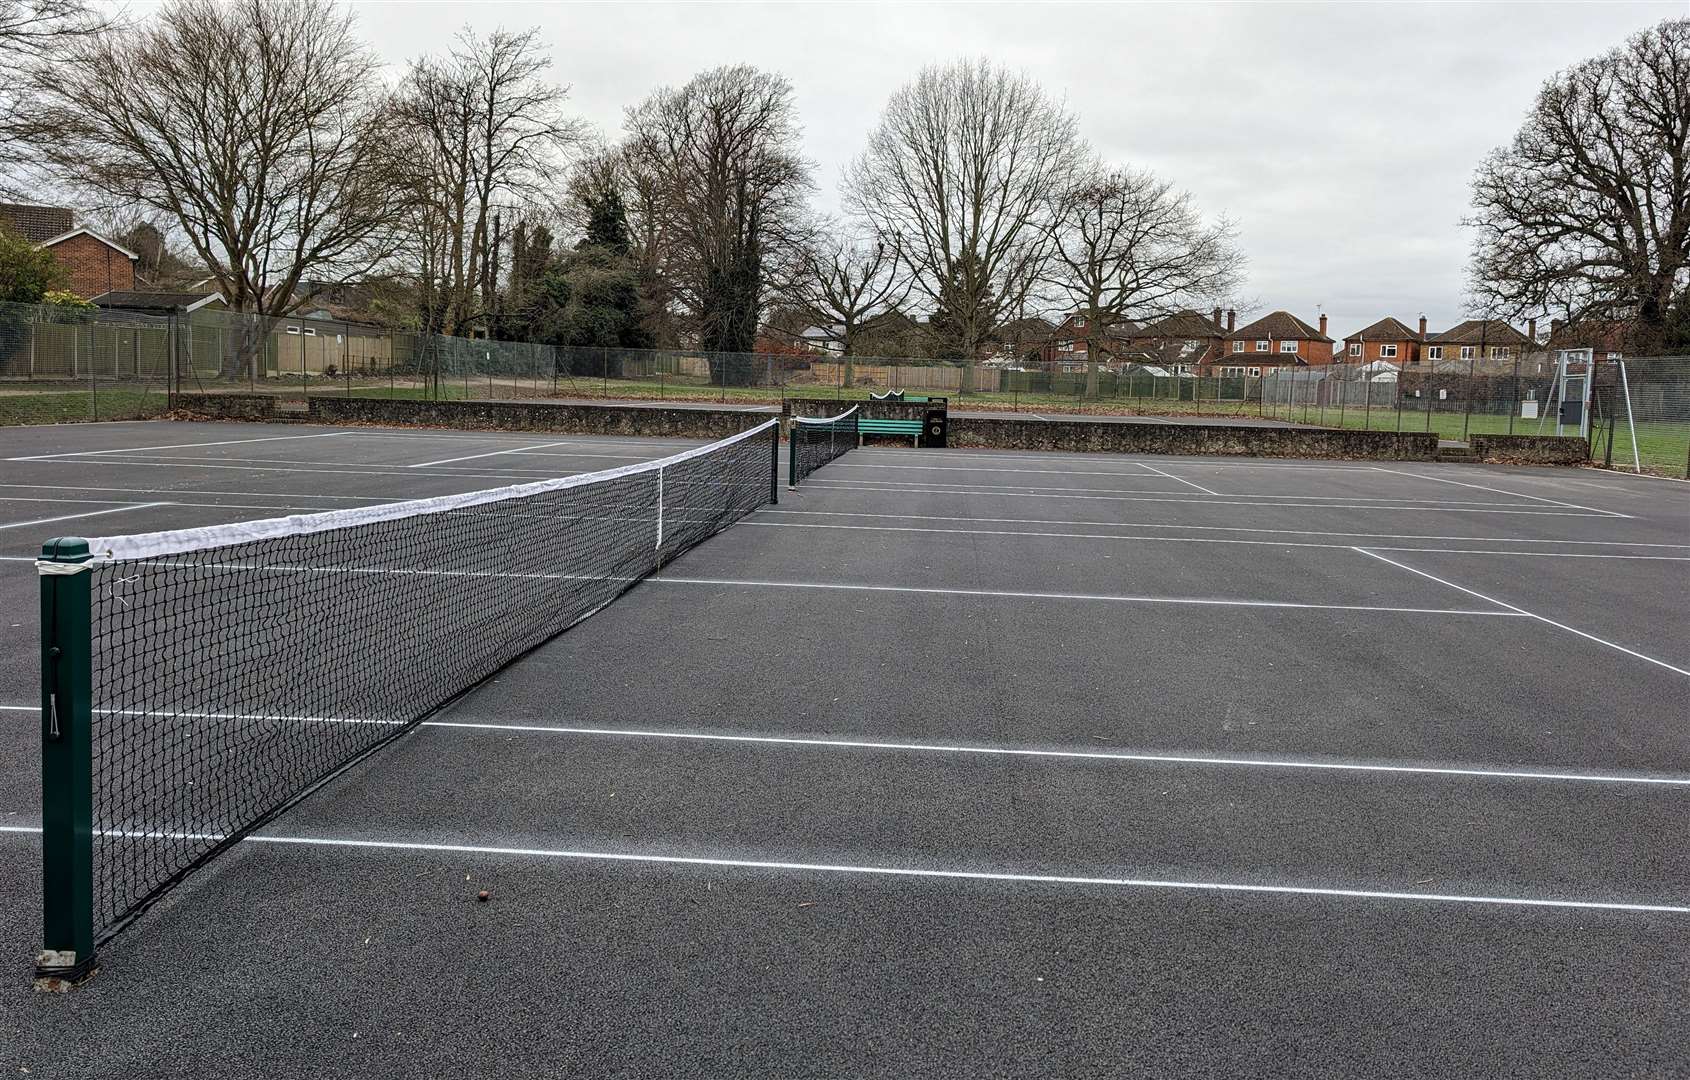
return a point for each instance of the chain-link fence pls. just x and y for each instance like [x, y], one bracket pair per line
[58, 365]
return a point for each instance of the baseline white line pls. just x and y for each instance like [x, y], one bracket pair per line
[1181, 479]
[85, 514]
[1212, 528]
[1499, 491]
[1345, 499]
[1523, 611]
[849, 488]
[1104, 597]
[179, 502]
[379, 471]
[177, 446]
[492, 453]
[181, 491]
[963, 875]
[1201, 540]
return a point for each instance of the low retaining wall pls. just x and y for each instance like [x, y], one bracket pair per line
[1136, 438]
[227, 406]
[1531, 449]
[568, 419]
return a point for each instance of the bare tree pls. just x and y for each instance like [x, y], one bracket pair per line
[720, 185]
[842, 284]
[30, 30]
[1587, 211]
[480, 132]
[1126, 245]
[253, 125]
[962, 170]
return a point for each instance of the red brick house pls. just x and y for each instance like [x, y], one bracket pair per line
[1277, 339]
[1183, 341]
[1388, 339]
[1068, 346]
[1479, 344]
[93, 264]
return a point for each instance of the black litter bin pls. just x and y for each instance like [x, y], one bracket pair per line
[934, 428]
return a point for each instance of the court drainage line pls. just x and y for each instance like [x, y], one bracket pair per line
[1523, 611]
[84, 514]
[870, 870]
[1180, 479]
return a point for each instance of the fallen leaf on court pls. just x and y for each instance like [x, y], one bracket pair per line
[808, 903]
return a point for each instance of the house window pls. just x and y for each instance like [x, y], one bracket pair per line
[1232, 372]
[1238, 346]
[294, 330]
[1499, 352]
[1434, 352]
[310, 331]
[1255, 372]
[1467, 352]
[1388, 352]
[1079, 322]
[1355, 348]
[1261, 346]
[1287, 346]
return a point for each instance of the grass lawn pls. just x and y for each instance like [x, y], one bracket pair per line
[73, 406]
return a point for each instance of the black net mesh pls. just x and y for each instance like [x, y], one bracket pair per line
[817, 442]
[229, 680]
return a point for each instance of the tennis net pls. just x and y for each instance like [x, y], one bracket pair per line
[232, 669]
[815, 442]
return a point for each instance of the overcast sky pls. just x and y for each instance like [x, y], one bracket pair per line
[1340, 137]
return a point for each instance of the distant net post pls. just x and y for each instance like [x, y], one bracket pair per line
[67, 795]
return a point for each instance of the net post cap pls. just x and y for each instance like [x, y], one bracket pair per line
[58, 970]
[66, 549]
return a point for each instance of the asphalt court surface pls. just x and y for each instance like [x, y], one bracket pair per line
[954, 763]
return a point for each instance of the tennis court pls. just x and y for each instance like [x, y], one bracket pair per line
[951, 763]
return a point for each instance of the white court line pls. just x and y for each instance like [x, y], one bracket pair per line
[491, 453]
[1523, 611]
[1346, 499]
[1181, 479]
[181, 491]
[1104, 597]
[849, 464]
[1201, 540]
[1211, 528]
[1499, 491]
[177, 446]
[963, 875]
[379, 471]
[207, 505]
[541, 453]
[851, 487]
[85, 514]
[906, 871]
[960, 749]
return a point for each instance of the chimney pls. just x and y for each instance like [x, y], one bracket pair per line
[1422, 327]
[1531, 330]
[1323, 324]
[1217, 317]
[1231, 319]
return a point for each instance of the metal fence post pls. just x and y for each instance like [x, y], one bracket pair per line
[67, 784]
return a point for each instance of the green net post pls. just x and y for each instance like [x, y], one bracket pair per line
[67, 788]
[774, 464]
[792, 455]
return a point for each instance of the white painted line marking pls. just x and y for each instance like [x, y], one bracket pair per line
[182, 491]
[1499, 491]
[84, 514]
[963, 875]
[961, 749]
[178, 446]
[1106, 597]
[1181, 479]
[492, 453]
[1214, 528]
[992, 489]
[1202, 540]
[852, 487]
[1084, 755]
[1523, 611]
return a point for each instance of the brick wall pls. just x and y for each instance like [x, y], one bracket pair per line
[1119, 438]
[652, 421]
[93, 267]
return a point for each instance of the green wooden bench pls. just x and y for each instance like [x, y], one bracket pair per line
[912, 428]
